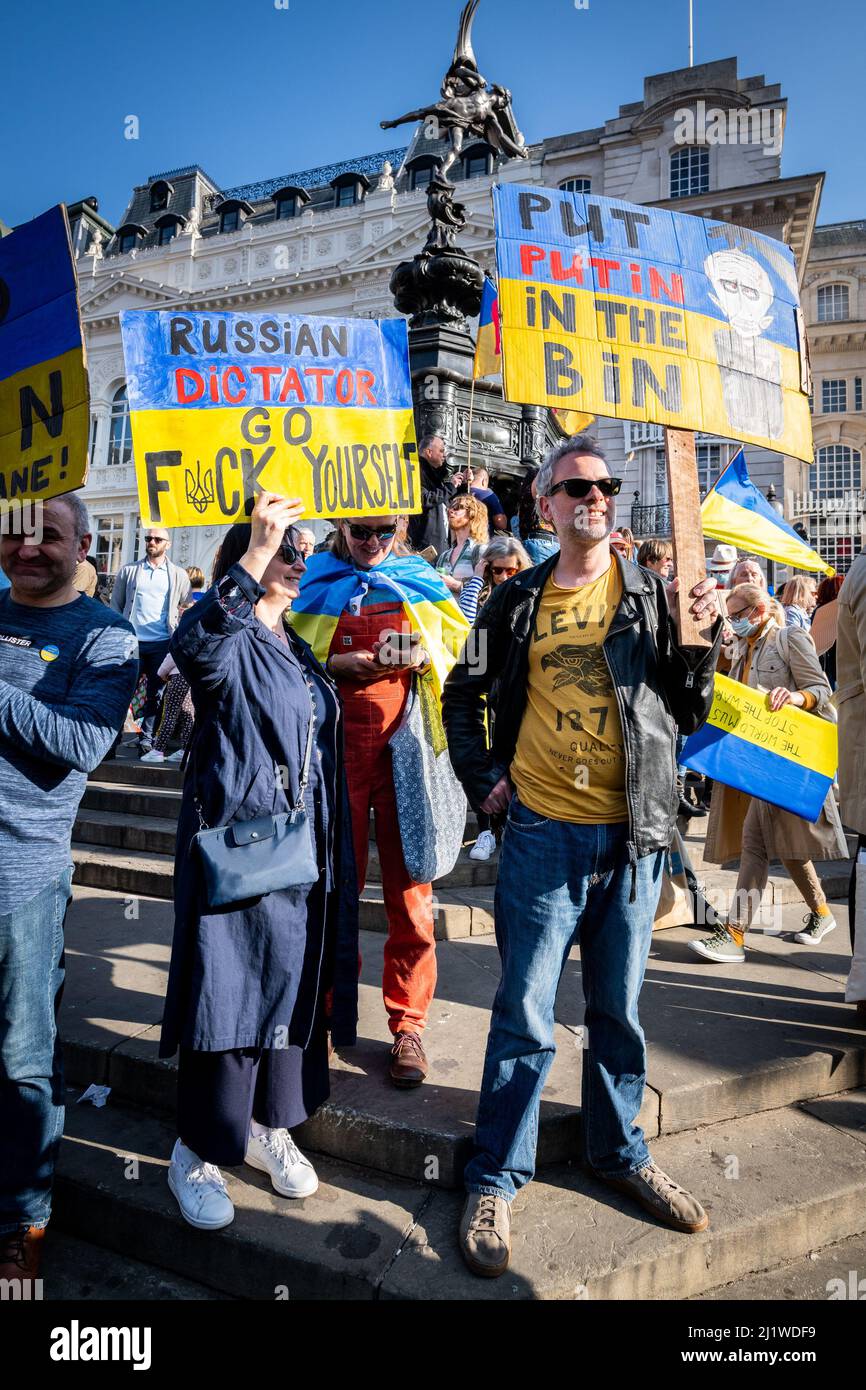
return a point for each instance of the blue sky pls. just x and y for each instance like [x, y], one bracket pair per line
[250, 91]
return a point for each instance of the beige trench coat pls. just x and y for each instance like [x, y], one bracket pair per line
[850, 699]
[786, 836]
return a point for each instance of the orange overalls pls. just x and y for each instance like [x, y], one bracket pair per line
[372, 710]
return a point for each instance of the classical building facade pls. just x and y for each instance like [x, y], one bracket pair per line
[326, 240]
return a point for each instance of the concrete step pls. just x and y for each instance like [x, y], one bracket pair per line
[776, 1187]
[135, 873]
[74, 1269]
[722, 1042]
[153, 835]
[128, 799]
[822, 1274]
[467, 873]
[132, 771]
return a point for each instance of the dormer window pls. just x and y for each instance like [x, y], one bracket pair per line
[128, 236]
[349, 189]
[232, 213]
[167, 228]
[286, 207]
[127, 242]
[159, 195]
[477, 162]
[288, 202]
[421, 173]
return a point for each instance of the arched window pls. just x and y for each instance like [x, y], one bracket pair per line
[159, 195]
[576, 185]
[421, 174]
[836, 470]
[832, 303]
[120, 435]
[167, 229]
[690, 171]
[477, 162]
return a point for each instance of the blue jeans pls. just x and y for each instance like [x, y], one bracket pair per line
[560, 884]
[31, 1073]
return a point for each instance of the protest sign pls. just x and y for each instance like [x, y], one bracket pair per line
[639, 313]
[44, 405]
[787, 756]
[224, 405]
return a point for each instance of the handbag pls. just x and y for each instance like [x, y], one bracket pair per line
[431, 805]
[250, 858]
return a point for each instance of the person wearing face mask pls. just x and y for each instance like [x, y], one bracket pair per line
[781, 662]
[382, 620]
[255, 985]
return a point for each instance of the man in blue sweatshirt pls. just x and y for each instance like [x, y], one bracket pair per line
[68, 667]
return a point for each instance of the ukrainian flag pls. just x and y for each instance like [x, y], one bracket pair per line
[488, 344]
[787, 757]
[734, 510]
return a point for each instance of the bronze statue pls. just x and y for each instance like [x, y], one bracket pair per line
[467, 106]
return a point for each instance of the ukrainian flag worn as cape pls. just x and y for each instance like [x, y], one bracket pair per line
[331, 585]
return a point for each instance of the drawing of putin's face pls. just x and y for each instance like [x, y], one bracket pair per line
[743, 291]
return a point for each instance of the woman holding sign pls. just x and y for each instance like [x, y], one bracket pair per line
[386, 626]
[266, 912]
[782, 662]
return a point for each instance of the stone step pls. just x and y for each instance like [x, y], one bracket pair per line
[74, 1269]
[467, 873]
[127, 799]
[820, 1275]
[721, 1042]
[133, 772]
[153, 835]
[800, 1184]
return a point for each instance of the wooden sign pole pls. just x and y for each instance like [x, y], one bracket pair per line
[688, 537]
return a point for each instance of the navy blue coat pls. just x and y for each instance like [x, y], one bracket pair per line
[254, 974]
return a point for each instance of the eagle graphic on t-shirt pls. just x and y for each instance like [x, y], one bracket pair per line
[583, 666]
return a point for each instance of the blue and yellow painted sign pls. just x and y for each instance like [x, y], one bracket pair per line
[226, 405]
[44, 404]
[635, 312]
[787, 756]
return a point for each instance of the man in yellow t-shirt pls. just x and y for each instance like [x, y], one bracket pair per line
[591, 686]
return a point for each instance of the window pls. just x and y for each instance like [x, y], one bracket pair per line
[127, 242]
[159, 196]
[286, 206]
[230, 220]
[476, 164]
[690, 171]
[858, 393]
[832, 303]
[710, 464]
[834, 397]
[120, 435]
[108, 547]
[576, 185]
[345, 195]
[166, 232]
[421, 175]
[836, 470]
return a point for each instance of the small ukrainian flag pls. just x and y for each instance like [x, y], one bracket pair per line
[488, 344]
[734, 510]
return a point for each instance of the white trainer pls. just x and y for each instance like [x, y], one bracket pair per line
[276, 1153]
[175, 757]
[200, 1190]
[154, 756]
[484, 847]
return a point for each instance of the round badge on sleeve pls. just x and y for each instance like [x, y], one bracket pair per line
[50, 652]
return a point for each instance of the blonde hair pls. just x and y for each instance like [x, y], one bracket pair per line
[337, 541]
[797, 592]
[196, 577]
[755, 595]
[479, 523]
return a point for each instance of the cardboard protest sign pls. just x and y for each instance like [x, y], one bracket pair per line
[635, 312]
[224, 405]
[44, 403]
[787, 757]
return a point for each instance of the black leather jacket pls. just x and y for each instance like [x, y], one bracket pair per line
[659, 687]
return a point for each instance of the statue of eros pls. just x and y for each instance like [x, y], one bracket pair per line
[467, 107]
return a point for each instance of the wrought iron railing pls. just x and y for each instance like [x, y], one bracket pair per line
[651, 521]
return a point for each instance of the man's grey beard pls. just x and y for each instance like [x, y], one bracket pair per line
[593, 530]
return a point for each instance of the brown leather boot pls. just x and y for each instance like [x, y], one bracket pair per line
[20, 1254]
[408, 1065]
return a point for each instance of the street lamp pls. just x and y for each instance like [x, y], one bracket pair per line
[780, 510]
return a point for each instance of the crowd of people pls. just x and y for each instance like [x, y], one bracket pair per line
[531, 646]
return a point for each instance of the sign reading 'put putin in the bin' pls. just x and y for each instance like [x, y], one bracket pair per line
[644, 314]
[224, 406]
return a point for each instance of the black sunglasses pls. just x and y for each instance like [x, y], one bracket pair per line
[365, 533]
[289, 552]
[581, 487]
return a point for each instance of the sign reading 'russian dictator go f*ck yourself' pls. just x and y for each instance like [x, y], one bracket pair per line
[643, 314]
[224, 406]
[44, 405]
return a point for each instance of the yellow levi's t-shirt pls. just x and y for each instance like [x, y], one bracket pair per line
[570, 758]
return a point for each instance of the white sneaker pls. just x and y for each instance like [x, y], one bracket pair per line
[818, 925]
[200, 1190]
[276, 1154]
[175, 757]
[154, 756]
[484, 847]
